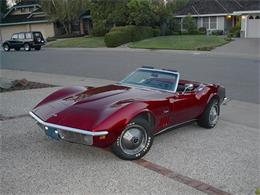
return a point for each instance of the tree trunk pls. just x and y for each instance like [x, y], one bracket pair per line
[65, 28]
[70, 28]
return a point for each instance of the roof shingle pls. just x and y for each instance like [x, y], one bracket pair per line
[196, 7]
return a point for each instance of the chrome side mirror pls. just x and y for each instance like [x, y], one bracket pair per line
[188, 87]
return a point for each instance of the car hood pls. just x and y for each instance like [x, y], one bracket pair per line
[87, 109]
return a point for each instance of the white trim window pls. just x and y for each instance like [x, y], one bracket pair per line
[210, 23]
[205, 22]
[213, 22]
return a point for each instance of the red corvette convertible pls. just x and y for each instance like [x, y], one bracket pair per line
[128, 114]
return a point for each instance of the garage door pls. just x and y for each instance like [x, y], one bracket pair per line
[253, 26]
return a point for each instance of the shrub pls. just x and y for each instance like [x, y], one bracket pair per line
[217, 32]
[230, 35]
[116, 38]
[228, 38]
[202, 30]
[156, 32]
[168, 32]
[99, 29]
[49, 39]
[142, 32]
[129, 28]
[176, 33]
[194, 32]
[184, 33]
[134, 33]
[235, 30]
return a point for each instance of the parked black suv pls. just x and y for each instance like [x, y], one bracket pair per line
[26, 40]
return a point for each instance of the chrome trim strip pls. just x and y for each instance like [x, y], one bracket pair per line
[167, 128]
[154, 70]
[100, 133]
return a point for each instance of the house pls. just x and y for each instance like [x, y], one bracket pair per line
[224, 14]
[27, 15]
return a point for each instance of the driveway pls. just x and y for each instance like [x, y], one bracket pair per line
[241, 46]
[186, 160]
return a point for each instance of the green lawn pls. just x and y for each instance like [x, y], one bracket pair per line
[181, 42]
[89, 42]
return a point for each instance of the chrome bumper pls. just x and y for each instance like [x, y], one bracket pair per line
[67, 133]
[225, 101]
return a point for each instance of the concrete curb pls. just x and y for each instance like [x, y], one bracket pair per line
[127, 49]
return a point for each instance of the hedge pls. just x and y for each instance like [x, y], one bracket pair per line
[129, 33]
[114, 39]
[98, 29]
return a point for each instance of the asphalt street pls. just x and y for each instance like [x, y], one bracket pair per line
[238, 73]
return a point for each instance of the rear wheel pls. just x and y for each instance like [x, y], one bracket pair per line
[210, 116]
[27, 47]
[135, 141]
[6, 47]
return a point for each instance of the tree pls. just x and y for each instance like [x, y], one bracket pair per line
[106, 14]
[189, 24]
[3, 6]
[176, 5]
[141, 13]
[165, 12]
[64, 11]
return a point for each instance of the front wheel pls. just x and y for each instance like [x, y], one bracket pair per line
[210, 116]
[6, 47]
[27, 47]
[135, 141]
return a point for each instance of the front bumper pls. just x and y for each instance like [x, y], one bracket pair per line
[67, 133]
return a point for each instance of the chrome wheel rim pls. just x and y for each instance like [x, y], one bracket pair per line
[6, 47]
[133, 140]
[26, 47]
[213, 115]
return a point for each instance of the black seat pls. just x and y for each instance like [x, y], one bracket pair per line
[180, 88]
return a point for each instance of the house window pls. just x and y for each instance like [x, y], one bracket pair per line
[23, 10]
[251, 17]
[213, 22]
[206, 22]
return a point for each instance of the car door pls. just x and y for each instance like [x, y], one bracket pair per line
[184, 106]
[20, 40]
[14, 40]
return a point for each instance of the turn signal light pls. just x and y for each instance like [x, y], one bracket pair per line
[102, 137]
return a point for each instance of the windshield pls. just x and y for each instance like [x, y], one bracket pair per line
[158, 79]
